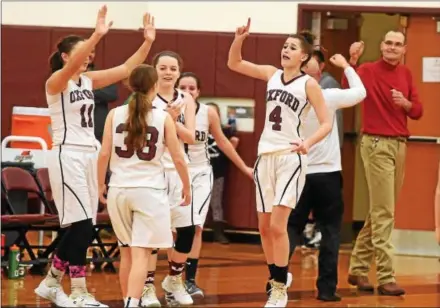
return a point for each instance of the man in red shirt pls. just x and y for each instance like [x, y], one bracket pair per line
[391, 98]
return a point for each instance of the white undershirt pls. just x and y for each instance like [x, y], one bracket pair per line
[325, 156]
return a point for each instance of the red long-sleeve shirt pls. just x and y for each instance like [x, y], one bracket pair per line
[381, 116]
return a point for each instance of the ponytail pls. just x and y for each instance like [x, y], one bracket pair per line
[56, 62]
[138, 108]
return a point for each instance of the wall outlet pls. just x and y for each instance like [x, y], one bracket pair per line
[438, 26]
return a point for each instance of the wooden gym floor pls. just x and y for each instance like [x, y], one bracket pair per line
[235, 276]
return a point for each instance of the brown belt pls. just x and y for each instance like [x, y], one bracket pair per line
[397, 138]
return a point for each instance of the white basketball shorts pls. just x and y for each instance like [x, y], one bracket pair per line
[201, 185]
[74, 181]
[140, 217]
[279, 180]
[181, 216]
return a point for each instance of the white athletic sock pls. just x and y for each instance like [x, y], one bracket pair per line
[131, 302]
[78, 286]
[54, 277]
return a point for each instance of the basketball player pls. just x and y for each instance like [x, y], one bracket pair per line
[181, 107]
[73, 158]
[207, 122]
[324, 175]
[282, 162]
[137, 175]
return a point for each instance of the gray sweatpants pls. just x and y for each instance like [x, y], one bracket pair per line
[217, 199]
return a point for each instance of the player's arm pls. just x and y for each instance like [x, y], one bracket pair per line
[110, 76]
[187, 131]
[224, 144]
[175, 150]
[316, 98]
[236, 62]
[104, 155]
[59, 79]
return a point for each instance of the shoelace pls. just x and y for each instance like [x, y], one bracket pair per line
[276, 294]
[177, 284]
[149, 291]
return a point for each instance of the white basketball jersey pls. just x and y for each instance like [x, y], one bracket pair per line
[286, 108]
[161, 103]
[198, 153]
[71, 114]
[142, 168]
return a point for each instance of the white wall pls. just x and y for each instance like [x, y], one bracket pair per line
[267, 16]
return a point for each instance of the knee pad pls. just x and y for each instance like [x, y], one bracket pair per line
[184, 240]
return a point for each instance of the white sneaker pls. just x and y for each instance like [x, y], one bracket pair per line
[54, 294]
[278, 295]
[149, 298]
[288, 283]
[85, 300]
[175, 291]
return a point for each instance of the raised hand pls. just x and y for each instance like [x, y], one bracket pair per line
[243, 31]
[356, 51]
[339, 61]
[149, 29]
[101, 26]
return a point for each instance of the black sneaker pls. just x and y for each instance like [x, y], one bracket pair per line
[193, 289]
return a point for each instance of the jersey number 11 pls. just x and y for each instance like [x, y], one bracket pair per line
[84, 122]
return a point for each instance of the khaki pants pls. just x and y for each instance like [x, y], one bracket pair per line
[384, 162]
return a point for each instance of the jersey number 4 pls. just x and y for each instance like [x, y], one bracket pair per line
[275, 118]
[84, 122]
[148, 152]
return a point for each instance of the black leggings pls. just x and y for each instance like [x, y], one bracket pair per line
[75, 241]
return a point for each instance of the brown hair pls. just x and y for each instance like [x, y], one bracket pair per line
[168, 53]
[307, 40]
[142, 80]
[189, 74]
[65, 45]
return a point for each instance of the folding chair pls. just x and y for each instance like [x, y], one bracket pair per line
[17, 184]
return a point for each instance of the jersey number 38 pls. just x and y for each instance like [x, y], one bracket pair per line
[147, 153]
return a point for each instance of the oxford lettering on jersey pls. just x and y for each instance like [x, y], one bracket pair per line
[201, 136]
[80, 95]
[283, 97]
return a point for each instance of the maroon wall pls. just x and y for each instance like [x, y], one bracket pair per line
[25, 53]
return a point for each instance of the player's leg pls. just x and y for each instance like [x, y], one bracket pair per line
[68, 172]
[265, 191]
[184, 220]
[298, 218]
[202, 186]
[151, 229]
[122, 222]
[149, 297]
[50, 288]
[290, 172]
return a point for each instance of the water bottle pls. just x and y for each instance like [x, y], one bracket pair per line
[15, 270]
